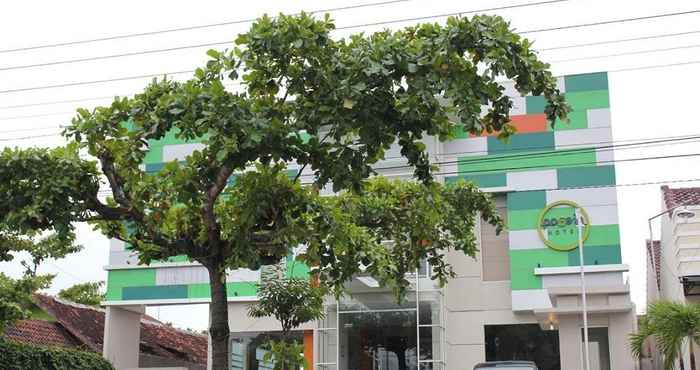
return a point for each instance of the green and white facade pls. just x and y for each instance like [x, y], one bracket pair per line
[524, 284]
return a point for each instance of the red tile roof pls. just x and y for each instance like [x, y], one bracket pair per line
[680, 196]
[85, 324]
[655, 254]
[40, 332]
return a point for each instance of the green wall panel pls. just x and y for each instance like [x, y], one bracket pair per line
[198, 291]
[586, 82]
[523, 219]
[523, 263]
[535, 104]
[527, 161]
[459, 132]
[597, 255]
[521, 142]
[577, 120]
[491, 180]
[241, 289]
[582, 100]
[526, 200]
[117, 279]
[603, 235]
[154, 154]
[155, 292]
[586, 176]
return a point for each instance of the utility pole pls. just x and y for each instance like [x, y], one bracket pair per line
[579, 224]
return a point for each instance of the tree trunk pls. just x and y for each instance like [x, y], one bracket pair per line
[218, 316]
[692, 354]
[680, 360]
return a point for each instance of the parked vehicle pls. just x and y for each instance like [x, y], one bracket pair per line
[506, 365]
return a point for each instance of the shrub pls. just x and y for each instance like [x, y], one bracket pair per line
[16, 356]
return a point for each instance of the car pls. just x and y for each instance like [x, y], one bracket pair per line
[506, 365]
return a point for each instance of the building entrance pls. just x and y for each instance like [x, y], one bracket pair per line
[527, 342]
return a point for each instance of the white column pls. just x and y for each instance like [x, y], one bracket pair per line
[122, 336]
[570, 342]
[621, 326]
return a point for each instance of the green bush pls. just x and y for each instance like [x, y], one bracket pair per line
[16, 356]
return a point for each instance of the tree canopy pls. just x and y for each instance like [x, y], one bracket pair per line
[89, 293]
[332, 107]
[671, 325]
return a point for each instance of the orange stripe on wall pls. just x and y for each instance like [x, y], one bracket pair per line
[524, 123]
[309, 348]
[529, 122]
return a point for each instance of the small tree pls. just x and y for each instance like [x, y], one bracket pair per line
[672, 325]
[89, 293]
[333, 106]
[16, 294]
[293, 302]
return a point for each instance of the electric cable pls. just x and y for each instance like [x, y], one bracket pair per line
[208, 44]
[187, 28]
[623, 20]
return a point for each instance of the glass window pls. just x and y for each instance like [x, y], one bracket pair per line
[524, 342]
[598, 348]
[495, 260]
[379, 340]
[247, 349]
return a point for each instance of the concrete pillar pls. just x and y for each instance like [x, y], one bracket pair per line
[621, 326]
[122, 336]
[570, 343]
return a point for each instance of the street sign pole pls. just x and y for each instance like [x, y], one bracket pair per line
[579, 223]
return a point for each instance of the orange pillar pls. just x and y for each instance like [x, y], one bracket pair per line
[309, 348]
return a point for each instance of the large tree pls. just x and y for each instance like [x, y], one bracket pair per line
[333, 106]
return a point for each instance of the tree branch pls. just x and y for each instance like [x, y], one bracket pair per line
[115, 181]
[213, 230]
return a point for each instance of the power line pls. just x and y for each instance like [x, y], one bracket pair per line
[32, 129]
[67, 84]
[613, 21]
[550, 154]
[378, 23]
[617, 41]
[184, 47]
[636, 52]
[102, 57]
[29, 137]
[35, 115]
[633, 142]
[187, 28]
[421, 18]
[655, 66]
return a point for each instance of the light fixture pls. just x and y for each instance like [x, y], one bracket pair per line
[685, 214]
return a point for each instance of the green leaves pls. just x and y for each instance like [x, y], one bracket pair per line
[89, 293]
[671, 325]
[16, 296]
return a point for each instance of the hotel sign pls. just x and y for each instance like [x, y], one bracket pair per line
[558, 226]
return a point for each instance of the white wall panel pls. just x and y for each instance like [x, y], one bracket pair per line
[583, 138]
[178, 152]
[532, 180]
[181, 275]
[524, 239]
[464, 147]
[598, 117]
[585, 197]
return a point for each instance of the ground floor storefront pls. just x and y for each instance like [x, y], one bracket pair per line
[440, 329]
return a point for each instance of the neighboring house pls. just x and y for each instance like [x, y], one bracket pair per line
[520, 299]
[673, 261]
[78, 326]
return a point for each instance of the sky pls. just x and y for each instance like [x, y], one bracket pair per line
[646, 103]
